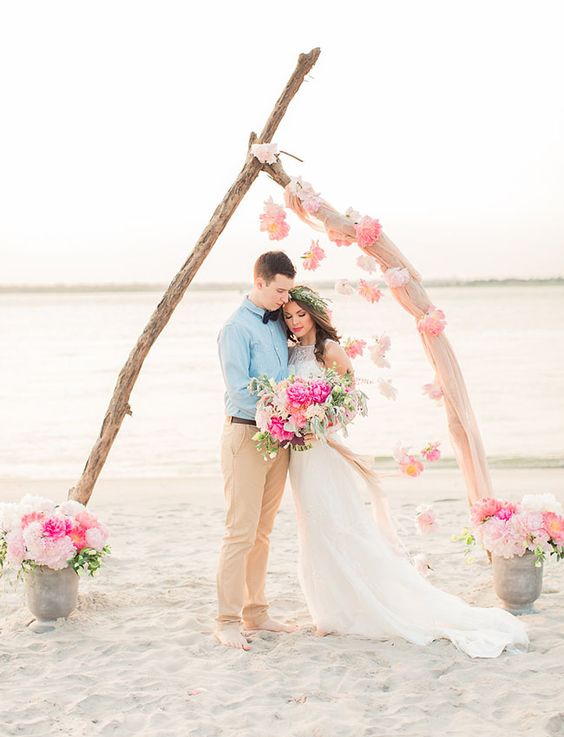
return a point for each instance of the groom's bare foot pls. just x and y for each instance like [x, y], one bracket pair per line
[270, 625]
[232, 637]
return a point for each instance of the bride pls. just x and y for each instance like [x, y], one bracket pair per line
[353, 573]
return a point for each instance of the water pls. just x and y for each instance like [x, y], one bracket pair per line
[61, 354]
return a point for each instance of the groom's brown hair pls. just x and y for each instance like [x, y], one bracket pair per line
[271, 263]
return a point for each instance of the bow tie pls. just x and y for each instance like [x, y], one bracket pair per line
[270, 315]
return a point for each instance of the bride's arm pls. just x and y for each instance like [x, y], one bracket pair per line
[336, 358]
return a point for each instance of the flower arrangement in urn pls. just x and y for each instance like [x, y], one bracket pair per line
[519, 536]
[48, 544]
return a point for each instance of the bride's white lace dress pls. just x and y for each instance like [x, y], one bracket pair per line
[354, 582]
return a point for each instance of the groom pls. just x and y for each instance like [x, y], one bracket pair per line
[252, 342]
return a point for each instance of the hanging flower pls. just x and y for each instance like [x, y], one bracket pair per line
[273, 220]
[368, 263]
[386, 389]
[431, 452]
[396, 277]
[343, 286]
[369, 290]
[367, 231]
[425, 519]
[313, 257]
[433, 322]
[379, 349]
[354, 348]
[311, 201]
[410, 465]
[266, 153]
[433, 391]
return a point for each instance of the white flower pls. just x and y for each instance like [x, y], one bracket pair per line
[396, 277]
[342, 286]
[30, 503]
[386, 389]
[353, 215]
[10, 514]
[541, 503]
[265, 152]
[368, 263]
[71, 508]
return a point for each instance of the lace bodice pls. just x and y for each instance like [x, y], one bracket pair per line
[302, 361]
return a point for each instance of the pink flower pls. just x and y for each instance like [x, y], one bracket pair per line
[319, 391]
[554, 526]
[313, 257]
[483, 509]
[386, 389]
[369, 290]
[56, 527]
[433, 391]
[425, 519]
[266, 153]
[433, 322]
[32, 517]
[367, 231]
[96, 537]
[396, 277]
[86, 519]
[379, 349]
[354, 347]
[431, 452]
[421, 564]
[78, 536]
[413, 467]
[368, 263]
[298, 395]
[273, 221]
[15, 548]
[276, 429]
[56, 553]
[409, 464]
[506, 511]
[342, 286]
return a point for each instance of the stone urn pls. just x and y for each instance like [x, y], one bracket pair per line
[50, 595]
[517, 581]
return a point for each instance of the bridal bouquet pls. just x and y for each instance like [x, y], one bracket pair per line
[507, 529]
[38, 532]
[296, 406]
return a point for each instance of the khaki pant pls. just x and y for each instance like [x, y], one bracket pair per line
[253, 492]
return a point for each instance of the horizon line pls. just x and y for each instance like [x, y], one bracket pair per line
[77, 287]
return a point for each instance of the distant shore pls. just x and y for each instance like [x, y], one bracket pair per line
[241, 286]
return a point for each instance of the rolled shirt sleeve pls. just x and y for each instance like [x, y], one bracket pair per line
[235, 358]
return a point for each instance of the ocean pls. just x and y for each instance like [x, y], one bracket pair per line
[61, 352]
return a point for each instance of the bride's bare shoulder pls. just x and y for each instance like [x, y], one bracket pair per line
[334, 356]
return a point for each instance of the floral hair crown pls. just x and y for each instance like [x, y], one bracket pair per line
[311, 298]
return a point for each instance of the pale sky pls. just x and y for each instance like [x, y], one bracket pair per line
[123, 124]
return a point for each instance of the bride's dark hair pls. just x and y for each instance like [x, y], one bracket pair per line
[316, 307]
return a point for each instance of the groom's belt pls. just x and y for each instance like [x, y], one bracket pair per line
[241, 421]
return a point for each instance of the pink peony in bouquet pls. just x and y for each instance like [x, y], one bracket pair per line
[294, 407]
[38, 532]
[507, 529]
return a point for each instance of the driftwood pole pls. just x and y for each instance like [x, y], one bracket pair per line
[119, 404]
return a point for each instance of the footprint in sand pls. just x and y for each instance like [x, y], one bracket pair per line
[555, 725]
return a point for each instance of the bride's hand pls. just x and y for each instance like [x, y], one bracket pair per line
[309, 438]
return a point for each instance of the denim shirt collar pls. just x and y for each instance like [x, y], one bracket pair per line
[251, 306]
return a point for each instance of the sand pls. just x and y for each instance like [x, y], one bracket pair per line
[137, 656]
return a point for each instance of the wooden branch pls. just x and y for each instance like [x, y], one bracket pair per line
[119, 404]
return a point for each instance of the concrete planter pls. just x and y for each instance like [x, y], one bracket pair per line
[50, 595]
[517, 581]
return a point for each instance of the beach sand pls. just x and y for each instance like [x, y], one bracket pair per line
[137, 657]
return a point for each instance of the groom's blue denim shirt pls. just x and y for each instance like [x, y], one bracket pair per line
[249, 348]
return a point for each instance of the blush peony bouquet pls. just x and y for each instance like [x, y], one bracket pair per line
[296, 406]
[38, 532]
[508, 529]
